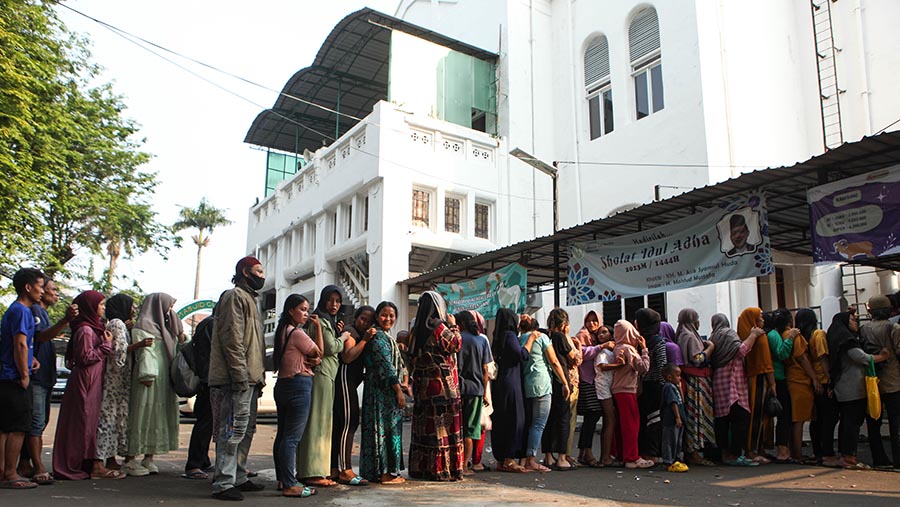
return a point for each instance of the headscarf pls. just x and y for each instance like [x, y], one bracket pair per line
[648, 321]
[806, 321]
[667, 331]
[840, 339]
[626, 334]
[88, 316]
[321, 305]
[686, 335]
[432, 311]
[119, 307]
[726, 340]
[88, 312]
[506, 322]
[584, 335]
[759, 360]
[479, 319]
[158, 317]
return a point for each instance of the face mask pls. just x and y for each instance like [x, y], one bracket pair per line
[256, 282]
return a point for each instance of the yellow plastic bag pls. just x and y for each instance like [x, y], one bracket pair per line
[872, 395]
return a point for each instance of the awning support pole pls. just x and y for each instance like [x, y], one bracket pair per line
[556, 273]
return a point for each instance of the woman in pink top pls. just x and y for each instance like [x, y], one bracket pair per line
[293, 390]
[631, 364]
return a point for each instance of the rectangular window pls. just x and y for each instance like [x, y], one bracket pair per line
[451, 214]
[612, 311]
[600, 109]
[482, 220]
[648, 89]
[334, 228]
[349, 221]
[366, 214]
[421, 208]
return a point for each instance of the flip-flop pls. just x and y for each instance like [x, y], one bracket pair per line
[109, 474]
[355, 481]
[321, 483]
[558, 468]
[394, 481]
[18, 484]
[44, 479]
[594, 463]
[196, 474]
[305, 493]
[857, 466]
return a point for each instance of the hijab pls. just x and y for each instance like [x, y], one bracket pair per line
[759, 360]
[431, 313]
[807, 322]
[119, 307]
[726, 340]
[88, 316]
[840, 339]
[626, 334]
[321, 305]
[506, 322]
[584, 335]
[686, 335]
[648, 321]
[158, 317]
[479, 319]
[667, 331]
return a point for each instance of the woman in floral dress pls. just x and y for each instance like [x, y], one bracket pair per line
[381, 453]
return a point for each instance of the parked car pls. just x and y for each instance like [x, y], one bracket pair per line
[62, 377]
[266, 404]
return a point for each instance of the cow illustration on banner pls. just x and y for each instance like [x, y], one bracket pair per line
[728, 242]
[503, 288]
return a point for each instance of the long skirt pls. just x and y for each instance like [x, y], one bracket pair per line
[698, 404]
[760, 436]
[436, 449]
[381, 445]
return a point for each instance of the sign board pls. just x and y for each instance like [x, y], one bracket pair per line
[728, 242]
[856, 218]
[503, 288]
[194, 307]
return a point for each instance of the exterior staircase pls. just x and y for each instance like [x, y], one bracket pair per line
[353, 277]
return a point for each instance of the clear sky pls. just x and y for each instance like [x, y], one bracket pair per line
[194, 129]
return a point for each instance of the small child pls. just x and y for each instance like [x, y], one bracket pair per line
[672, 411]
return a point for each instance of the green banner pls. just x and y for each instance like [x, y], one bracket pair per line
[503, 288]
[196, 306]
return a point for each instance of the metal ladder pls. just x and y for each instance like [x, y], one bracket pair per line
[829, 92]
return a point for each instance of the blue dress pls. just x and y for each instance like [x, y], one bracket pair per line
[509, 404]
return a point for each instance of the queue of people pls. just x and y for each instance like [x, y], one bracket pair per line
[664, 395]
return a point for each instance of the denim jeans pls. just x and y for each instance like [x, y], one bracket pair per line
[538, 409]
[235, 420]
[293, 397]
[40, 408]
[198, 449]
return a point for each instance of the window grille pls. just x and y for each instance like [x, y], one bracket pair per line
[421, 208]
[482, 221]
[451, 214]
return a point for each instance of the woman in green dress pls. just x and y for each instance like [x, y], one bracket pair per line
[381, 445]
[314, 451]
[153, 407]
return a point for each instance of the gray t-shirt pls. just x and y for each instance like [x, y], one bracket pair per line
[473, 355]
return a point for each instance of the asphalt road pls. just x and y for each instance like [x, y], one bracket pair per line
[722, 486]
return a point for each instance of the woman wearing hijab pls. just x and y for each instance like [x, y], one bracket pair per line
[75, 451]
[631, 364]
[589, 405]
[802, 383]
[436, 451]
[384, 398]
[314, 452]
[650, 437]
[697, 380]
[509, 404]
[346, 398]
[153, 408]
[673, 353]
[730, 394]
[781, 334]
[821, 430]
[112, 432]
[848, 371]
[760, 382]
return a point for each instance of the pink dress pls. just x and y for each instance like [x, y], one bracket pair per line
[75, 445]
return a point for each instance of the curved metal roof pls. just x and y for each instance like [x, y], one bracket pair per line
[349, 74]
[546, 258]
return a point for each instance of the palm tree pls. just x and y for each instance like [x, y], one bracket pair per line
[204, 217]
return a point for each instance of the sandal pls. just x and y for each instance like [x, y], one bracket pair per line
[306, 492]
[859, 465]
[594, 463]
[355, 481]
[195, 474]
[395, 480]
[515, 469]
[558, 468]
[640, 463]
[109, 474]
[538, 468]
[320, 483]
[742, 461]
[43, 479]
[18, 484]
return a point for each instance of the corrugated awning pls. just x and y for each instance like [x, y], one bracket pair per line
[349, 74]
[547, 259]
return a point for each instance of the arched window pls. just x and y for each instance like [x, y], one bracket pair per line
[646, 62]
[598, 86]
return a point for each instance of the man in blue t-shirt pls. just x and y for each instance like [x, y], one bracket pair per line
[16, 364]
[42, 381]
[472, 362]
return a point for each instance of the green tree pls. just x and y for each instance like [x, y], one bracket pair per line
[205, 217]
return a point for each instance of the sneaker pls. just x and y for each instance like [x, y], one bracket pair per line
[678, 467]
[231, 494]
[135, 469]
[250, 486]
[150, 466]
